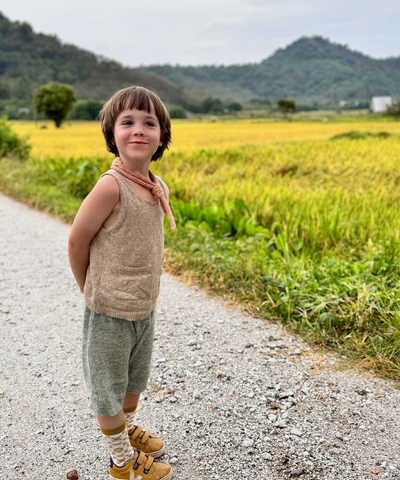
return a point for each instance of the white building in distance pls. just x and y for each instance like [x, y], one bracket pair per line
[381, 104]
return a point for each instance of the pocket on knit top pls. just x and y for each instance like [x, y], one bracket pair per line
[127, 288]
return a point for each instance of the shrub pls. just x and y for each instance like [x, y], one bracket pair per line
[356, 135]
[192, 107]
[212, 105]
[86, 110]
[235, 107]
[11, 145]
[175, 111]
[394, 110]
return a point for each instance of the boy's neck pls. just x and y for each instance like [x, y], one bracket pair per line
[140, 166]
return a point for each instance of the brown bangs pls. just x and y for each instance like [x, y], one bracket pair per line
[139, 98]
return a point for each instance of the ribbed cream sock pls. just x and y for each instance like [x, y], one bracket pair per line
[130, 414]
[118, 444]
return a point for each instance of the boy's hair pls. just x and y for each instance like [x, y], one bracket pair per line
[139, 98]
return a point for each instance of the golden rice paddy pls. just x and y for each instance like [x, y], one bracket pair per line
[82, 139]
[331, 207]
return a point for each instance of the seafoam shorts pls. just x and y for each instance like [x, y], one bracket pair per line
[116, 357]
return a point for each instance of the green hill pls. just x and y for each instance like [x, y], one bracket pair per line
[312, 69]
[29, 59]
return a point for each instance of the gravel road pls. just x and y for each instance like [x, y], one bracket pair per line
[232, 396]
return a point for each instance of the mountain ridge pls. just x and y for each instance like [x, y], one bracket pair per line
[311, 70]
[29, 59]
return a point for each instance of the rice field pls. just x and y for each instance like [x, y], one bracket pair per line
[278, 216]
[79, 139]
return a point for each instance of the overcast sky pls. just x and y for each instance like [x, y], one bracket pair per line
[199, 32]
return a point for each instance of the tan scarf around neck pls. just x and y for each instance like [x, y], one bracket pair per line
[152, 185]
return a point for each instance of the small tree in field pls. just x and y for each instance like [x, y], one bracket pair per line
[55, 100]
[287, 106]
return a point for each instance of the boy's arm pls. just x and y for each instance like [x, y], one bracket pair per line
[95, 209]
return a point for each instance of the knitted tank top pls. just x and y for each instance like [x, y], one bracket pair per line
[126, 259]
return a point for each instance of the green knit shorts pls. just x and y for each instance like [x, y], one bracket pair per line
[116, 357]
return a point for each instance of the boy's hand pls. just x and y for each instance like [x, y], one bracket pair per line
[95, 209]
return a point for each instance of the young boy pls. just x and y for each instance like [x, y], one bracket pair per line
[116, 255]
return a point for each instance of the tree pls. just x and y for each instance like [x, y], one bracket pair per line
[394, 110]
[212, 105]
[176, 111]
[192, 107]
[217, 107]
[235, 107]
[287, 106]
[86, 110]
[55, 100]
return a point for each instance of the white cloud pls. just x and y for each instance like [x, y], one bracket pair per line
[193, 32]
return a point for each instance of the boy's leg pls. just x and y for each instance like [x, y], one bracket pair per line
[125, 462]
[129, 406]
[107, 345]
[139, 370]
[131, 400]
[108, 422]
[116, 437]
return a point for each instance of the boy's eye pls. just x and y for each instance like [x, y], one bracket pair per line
[151, 124]
[128, 122]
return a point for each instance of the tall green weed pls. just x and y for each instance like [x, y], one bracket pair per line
[11, 145]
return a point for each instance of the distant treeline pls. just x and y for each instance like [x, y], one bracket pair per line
[315, 72]
[28, 60]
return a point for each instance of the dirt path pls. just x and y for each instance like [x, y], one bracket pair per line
[232, 396]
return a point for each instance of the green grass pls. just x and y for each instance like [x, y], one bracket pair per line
[351, 306]
[301, 234]
[356, 135]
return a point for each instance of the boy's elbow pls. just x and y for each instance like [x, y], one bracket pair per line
[71, 247]
[74, 247]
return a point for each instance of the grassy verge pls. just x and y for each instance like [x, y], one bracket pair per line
[333, 303]
[57, 187]
[273, 229]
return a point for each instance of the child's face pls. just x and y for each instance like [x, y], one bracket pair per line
[137, 135]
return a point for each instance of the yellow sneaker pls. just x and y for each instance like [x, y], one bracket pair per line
[141, 467]
[146, 443]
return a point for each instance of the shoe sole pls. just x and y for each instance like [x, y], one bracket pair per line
[167, 477]
[155, 454]
[170, 475]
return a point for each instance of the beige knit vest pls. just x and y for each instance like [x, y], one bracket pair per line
[126, 259]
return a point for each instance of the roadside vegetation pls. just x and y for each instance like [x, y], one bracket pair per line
[303, 232]
[11, 144]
